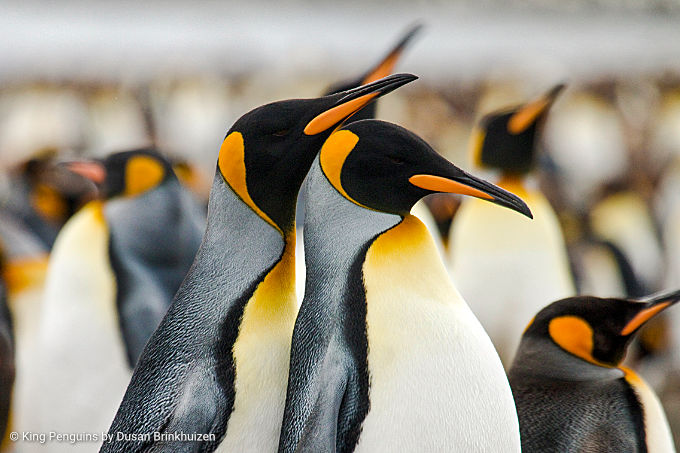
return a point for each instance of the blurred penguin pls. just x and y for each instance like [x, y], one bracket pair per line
[527, 259]
[112, 274]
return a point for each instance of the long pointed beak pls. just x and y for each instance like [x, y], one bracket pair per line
[529, 113]
[466, 184]
[650, 308]
[387, 64]
[351, 101]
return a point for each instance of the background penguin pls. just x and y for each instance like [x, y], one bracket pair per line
[218, 363]
[112, 274]
[386, 355]
[24, 266]
[571, 391]
[528, 259]
[44, 196]
[7, 363]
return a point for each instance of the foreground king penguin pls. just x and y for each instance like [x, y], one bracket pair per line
[527, 259]
[113, 271]
[571, 391]
[386, 355]
[218, 363]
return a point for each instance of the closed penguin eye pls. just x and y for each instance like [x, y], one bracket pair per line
[281, 133]
[396, 160]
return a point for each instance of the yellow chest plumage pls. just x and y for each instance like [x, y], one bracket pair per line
[261, 355]
[436, 383]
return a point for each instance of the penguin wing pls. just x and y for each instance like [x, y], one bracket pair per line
[321, 427]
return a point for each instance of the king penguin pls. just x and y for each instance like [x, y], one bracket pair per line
[386, 355]
[572, 393]
[112, 273]
[528, 260]
[218, 363]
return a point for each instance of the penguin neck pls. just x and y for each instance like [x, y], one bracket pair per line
[536, 358]
[248, 253]
[337, 233]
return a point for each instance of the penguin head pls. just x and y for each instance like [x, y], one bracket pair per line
[127, 173]
[268, 151]
[595, 329]
[384, 167]
[53, 194]
[382, 69]
[506, 139]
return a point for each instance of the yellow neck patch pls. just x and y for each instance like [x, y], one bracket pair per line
[274, 299]
[575, 336]
[333, 154]
[232, 165]
[142, 173]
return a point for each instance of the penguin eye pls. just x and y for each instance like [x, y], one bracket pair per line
[281, 133]
[396, 160]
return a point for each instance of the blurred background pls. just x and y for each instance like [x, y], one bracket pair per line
[84, 79]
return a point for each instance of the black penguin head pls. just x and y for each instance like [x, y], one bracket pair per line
[382, 69]
[268, 151]
[594, 329]
[385, 167]
[53, 193]
[127, 173]
[506, 139]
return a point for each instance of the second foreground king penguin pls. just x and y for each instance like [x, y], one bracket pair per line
[386, 355]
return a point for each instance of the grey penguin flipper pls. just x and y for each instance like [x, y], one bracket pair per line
[321, 428]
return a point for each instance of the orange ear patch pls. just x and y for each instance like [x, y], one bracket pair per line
[574, 335]
[333, 116]
[142, 173]
[332, 157]
[642, 317]
[232, 165]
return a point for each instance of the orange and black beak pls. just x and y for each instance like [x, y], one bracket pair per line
[343, 105]
[529, 113]
[460, 182]
[387, 64]
[648, 308]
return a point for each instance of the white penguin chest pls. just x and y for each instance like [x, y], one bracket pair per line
[657, 431]
[436, 382]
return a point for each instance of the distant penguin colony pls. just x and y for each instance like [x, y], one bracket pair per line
[571, 391]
